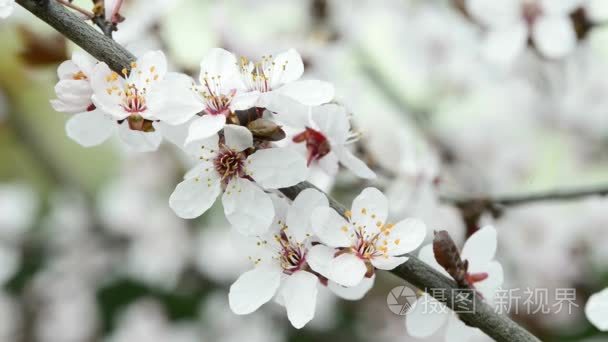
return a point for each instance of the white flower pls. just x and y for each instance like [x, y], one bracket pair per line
[364, 241]
[280, 260]
[511, 22]
[228, 166]
[6, 8]
[228, 85]
[74, 88]
[326, 132]
[596, 310]
[429, 315]
[277, 79]
[221, 93]
[133, 104]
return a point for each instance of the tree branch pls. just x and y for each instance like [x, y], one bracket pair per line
[414, 271]
[99, 46]
[473, 207]
[419, 274]
[521, 199]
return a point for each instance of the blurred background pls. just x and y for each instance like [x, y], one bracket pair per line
[90, 251]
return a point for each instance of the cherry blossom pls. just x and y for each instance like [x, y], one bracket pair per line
[74, 88]
[596, 310]
[280, 263]
[229, 166]
[365, 240]
[6, 8]
[221, 92]
[277, 79]
[326, 133]
[103, 102]
[511, 22]
[429, 315]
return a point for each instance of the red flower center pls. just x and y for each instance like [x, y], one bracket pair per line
[229, 163]
[317, 144]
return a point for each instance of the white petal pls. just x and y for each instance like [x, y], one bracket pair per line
[66, 107]
[332, 120]
[238, 138]
[192, 197]
[502, 46]
[173, 100]
[354, 292]
[388, 262]
[148, 70]
[203, 170]
[426, 317]
[495, 13]
[299, 214]
[299, 292]
[481, 246]
[488, 286]
[67, 69]
[370, 210]
[308, 92]
[287, 110]
[139, 141]
[84, 62]
[427, 255]
[243, 101]
[319, 257]
[222, 63]
[347, 270]
[457, 331]
[554, 36]
[405, 236]
[331, 228]
[250, 247]
[176, 134]
[288, 67]
[205, 126]
[90, 128]
[596, 310]
[74, 94]
[253, 289]
[329, 164]
[560, 7]
[354, 164]
[247, 207]
[106, 85]
[203, 148]
[277, 167]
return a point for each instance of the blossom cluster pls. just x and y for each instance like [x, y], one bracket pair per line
[252, 128]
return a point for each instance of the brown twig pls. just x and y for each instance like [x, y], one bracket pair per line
[473, 207]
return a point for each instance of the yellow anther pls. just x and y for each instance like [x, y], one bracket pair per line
[79, 76]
